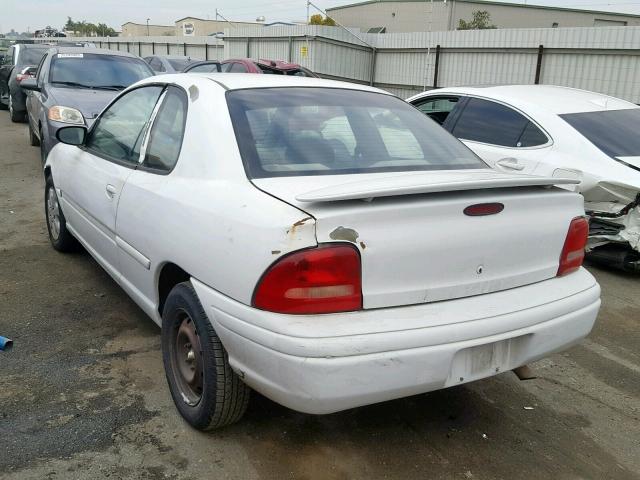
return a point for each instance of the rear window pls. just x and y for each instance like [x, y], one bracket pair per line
[326, 131]
[297, 72]
[91, 70]
[31, 56]
[615, 132]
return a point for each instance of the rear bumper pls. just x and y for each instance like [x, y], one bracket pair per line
[327, 363]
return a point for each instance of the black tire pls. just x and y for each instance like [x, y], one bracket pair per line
[43, 152]
[61, 239]
[33, 140]
[216, 396]
[16, 116]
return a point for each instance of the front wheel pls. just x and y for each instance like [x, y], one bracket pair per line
[206, 391]
[43, 151]
[16, 117]
[61, 239]
[33, 139]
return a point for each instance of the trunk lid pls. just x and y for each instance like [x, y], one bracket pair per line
[416, 243]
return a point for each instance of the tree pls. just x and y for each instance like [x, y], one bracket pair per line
[88, 29]
[481, 21]
[318, 20]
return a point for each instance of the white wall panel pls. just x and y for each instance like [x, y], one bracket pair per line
[603, 59]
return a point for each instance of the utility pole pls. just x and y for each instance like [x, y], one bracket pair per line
[218, 14]
[429, 29]
[148, 26]
[373, 49]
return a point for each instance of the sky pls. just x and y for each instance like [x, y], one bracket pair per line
[34, 14]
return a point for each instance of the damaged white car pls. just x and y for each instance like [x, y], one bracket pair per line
[320, 242]
[562, 132]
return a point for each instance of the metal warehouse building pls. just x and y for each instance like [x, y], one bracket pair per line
[184, 27]
[392, 16]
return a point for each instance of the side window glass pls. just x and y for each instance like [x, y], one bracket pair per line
[39, 74]
[206, 68]
[224, 68]
[120, 128]
[489, 122]
[167, 132]
[437, 109]
[532, 137]
[156, 65]
[237, 68]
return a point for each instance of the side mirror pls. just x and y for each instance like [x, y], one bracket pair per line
[30, 84]
[72, 135]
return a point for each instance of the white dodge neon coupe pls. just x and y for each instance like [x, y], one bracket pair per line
[321, 242]
[561, 132]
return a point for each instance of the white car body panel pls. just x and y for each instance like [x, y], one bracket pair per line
[395, 240]
[569, 154]
[326, 363]
[225, 230]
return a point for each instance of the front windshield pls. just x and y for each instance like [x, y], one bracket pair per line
[615, 132]
[329, 131]
[31, 56]
[179, 64]
[92, 70]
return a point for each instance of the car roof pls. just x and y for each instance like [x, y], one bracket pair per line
[278, 64]
[238, 81]
[92, 51]
[551, 98]
[173, 57]
[33, 45]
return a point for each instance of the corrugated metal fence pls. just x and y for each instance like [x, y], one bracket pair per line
[603, 59]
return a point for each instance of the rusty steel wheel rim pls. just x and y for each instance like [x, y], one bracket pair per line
[186, 359]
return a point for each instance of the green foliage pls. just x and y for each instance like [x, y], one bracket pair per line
[88, 29]
[481, 21]
[318, 20]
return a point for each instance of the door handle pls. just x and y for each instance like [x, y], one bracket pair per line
[111, 190]
[510, 163]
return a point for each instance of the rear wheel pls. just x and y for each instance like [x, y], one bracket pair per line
[206, 391]
[33, 140]
[61, 239]
[16, 116]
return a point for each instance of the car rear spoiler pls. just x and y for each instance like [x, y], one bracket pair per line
[427, 182]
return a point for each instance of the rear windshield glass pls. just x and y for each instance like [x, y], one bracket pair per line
[326, 131]
[615, 132]
[31, 56]
[179, 63]
[90, 70]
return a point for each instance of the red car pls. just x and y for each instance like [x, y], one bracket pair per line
[277, 67]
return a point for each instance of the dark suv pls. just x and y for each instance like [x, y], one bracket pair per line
[17, 60]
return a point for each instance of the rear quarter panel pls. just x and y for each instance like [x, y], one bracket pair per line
[206, 216]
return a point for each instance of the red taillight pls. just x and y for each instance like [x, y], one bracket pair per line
[22, 76]
[573, 251]
[326, 279]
